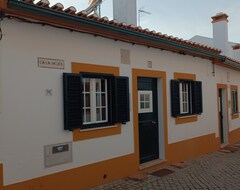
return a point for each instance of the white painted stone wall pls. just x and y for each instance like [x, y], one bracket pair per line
[29, 119]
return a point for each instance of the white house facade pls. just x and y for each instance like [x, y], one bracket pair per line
[85, 101]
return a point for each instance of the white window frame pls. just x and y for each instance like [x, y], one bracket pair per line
[145, 93]
[93, 103]
[185, 101]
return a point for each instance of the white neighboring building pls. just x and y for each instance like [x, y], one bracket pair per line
[220, 38]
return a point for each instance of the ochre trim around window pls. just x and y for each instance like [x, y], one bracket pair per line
[234, 87]
[185, 76]
[188, 119]
[99, 132]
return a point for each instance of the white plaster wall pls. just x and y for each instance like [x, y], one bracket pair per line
[30, 119]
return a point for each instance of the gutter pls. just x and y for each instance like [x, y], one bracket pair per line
[231, 63]
[46, 12]
[14, 5]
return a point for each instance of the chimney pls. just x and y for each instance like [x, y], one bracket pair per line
[125, 11]
[220, 32]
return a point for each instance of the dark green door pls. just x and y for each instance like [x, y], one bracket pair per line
[221, 115]
[148, 119]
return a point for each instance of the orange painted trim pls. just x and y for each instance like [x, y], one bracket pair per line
[3, 4]
[185, 76]
[101, 132]
[235, 116]
[181, 120]
[234, 136]
[83, 135]
[1, 176]
[82, 178]
[151, 74]
[234, 87]
[221, 86]
[193, 118]
[191, 148]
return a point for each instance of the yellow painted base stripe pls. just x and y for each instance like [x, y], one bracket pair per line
[191, 148]
[83, 177]
[234, 136]
[106, 171]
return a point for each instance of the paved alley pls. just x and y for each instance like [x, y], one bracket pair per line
[218, 170]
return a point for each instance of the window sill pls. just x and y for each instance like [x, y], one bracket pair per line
[235, 116]
[96, 132]
[186, 119]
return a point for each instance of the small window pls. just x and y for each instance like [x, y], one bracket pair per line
[234, 101]
[145, 101]
[95, 100]
[186, 97]
[185, 93]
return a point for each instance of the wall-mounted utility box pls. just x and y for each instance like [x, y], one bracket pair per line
[57, 154]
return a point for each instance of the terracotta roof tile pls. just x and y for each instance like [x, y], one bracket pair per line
[236, 47]
[43, 3]
[233, 60]
[72, 11]
[57, 7]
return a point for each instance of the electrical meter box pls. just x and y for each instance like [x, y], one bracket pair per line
[57, 154]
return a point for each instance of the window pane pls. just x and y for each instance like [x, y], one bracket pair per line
[98, 114]
[87, 84]
[98, 85]
[147, 105]
[142, 97]
[84, 116]
[184, 107]
[234, 101]
[98, 99]
[104, 114]
[103, 86]
[185, 97]
[88, 115]
[147, 97]
[87, 100]
[103, 99]
[142, 105]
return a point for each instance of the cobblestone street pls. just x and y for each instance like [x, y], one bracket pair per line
[218, 170]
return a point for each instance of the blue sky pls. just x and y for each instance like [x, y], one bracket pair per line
[179, 18]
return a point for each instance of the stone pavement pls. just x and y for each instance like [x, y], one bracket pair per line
[218, 170]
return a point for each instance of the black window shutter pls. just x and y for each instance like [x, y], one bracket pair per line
[121, 100]
[175, 98]
[72, 86]
[197, 107]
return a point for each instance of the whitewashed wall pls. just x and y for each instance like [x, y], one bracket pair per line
[29, 119]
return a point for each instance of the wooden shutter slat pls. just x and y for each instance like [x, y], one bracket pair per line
[72, 85]
[121, 86]
[197, 107]
[175, 98]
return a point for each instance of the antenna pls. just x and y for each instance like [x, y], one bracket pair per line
[94, 6]
[140, 11]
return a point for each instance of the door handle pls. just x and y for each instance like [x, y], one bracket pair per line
[154, 123]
